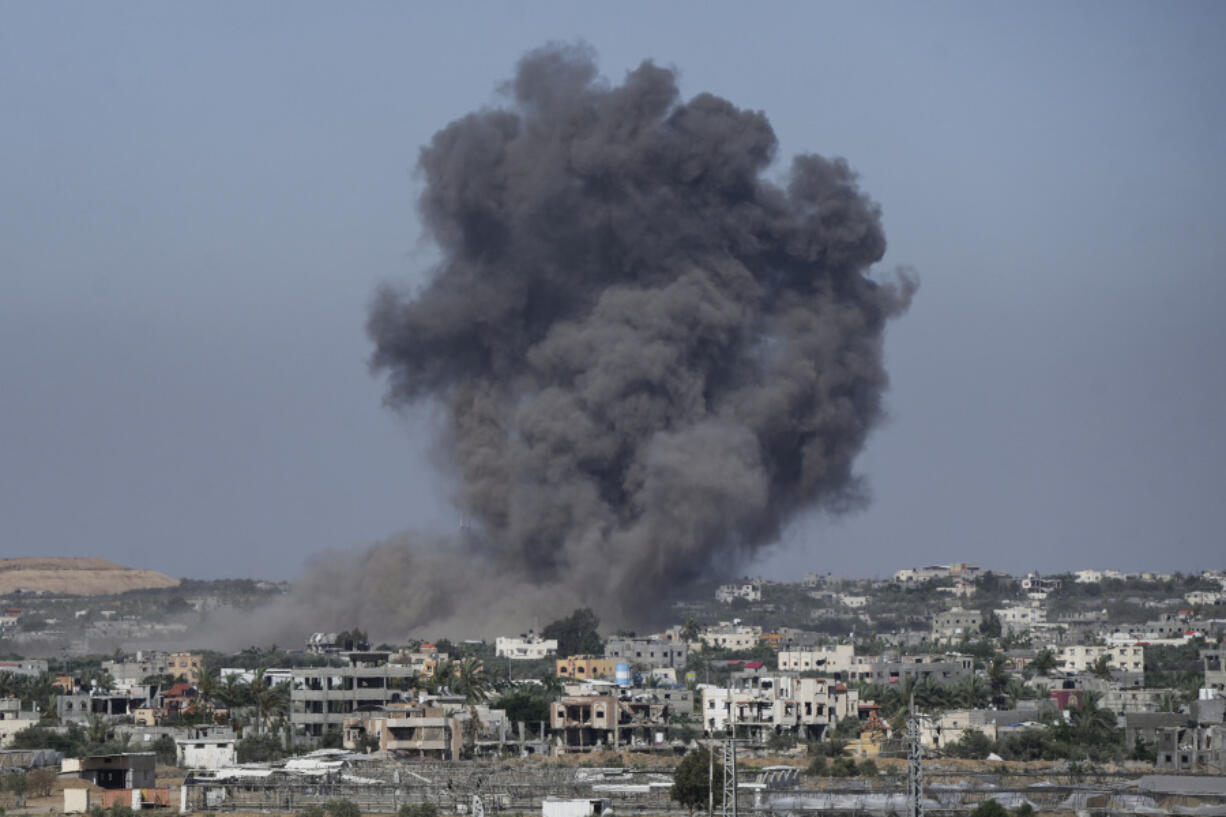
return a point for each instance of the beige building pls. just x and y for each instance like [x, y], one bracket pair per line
[834, 659]
[1081, 657]
[188, 665]
[951, 626]
[419, 731]
[731, 636]
[585, 667]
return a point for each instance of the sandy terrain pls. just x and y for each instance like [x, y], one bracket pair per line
[77, 577]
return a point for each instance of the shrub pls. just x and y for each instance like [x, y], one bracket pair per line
[990, 808]
[167, 752]
[342, 808]
[844, 767]
[42, 782]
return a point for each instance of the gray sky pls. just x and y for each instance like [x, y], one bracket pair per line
[199, 200]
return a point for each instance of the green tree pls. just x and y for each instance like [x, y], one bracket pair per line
[18, 784]
[998, 676]
[973, 745]
[576, 634]
[818, 766]
[167, 752]
[1101, 668]
[1044, 662]
[342, 808]
[990, 808]
[259, 749]
[691, 781]
[529, 704]
[470, 679]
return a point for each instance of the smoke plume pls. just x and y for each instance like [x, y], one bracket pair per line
[652, 355]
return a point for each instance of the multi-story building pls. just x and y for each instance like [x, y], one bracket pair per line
[186, 665]
[1021, 618]
[943, 669]
[207, 747]
[322, 697]
[129, 673]
[585, 721]
[916, 575]
[1215, 669]
[652, 653]
[13, 718]
[955, 624]
[758, 705]
[749, 591]
[586, 667]
[1083, 657]
[731, 636]
[833, 660]
[530, 647]
[25, 666]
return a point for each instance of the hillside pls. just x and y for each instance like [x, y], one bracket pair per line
[76, 577]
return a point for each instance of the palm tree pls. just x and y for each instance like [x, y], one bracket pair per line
[1016, 690]
[1101, 668]
[232, 692]
[998, 676]
[260, 699]
[443, 676]
[1096, 725]
[471, 680]
[973, 693]
[1044, 662]
[208, 687]
[1168, 701]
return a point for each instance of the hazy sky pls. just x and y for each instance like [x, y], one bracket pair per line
[197, 201]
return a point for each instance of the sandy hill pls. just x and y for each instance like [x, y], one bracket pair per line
[76, 577]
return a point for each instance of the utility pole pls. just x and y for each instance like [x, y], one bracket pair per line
[915, 764]
[730, 803]
[710, 780]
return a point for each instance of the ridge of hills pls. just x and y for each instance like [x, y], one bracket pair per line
[76, 576]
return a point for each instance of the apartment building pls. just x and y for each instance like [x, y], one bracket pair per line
[186, 665]
[529, 647]
[1021, 618]
[731, 636]
[1082, 657]
[652, 653]
[756, 706]
[322, 697]
[749, 591]
[943, 669]
[835, 660]
[585, 667]
[955, 624]
[130, 672]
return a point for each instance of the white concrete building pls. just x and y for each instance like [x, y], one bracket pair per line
[1021, 618]
[528, 647]
[731, 636]
[207, 747]
[833, 659]
[749, 591]
[1081, 657]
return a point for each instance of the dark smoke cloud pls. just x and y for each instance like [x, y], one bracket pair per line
[652, 355]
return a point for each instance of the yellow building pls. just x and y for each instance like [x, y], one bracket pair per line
[188, 665]
[585, 667]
